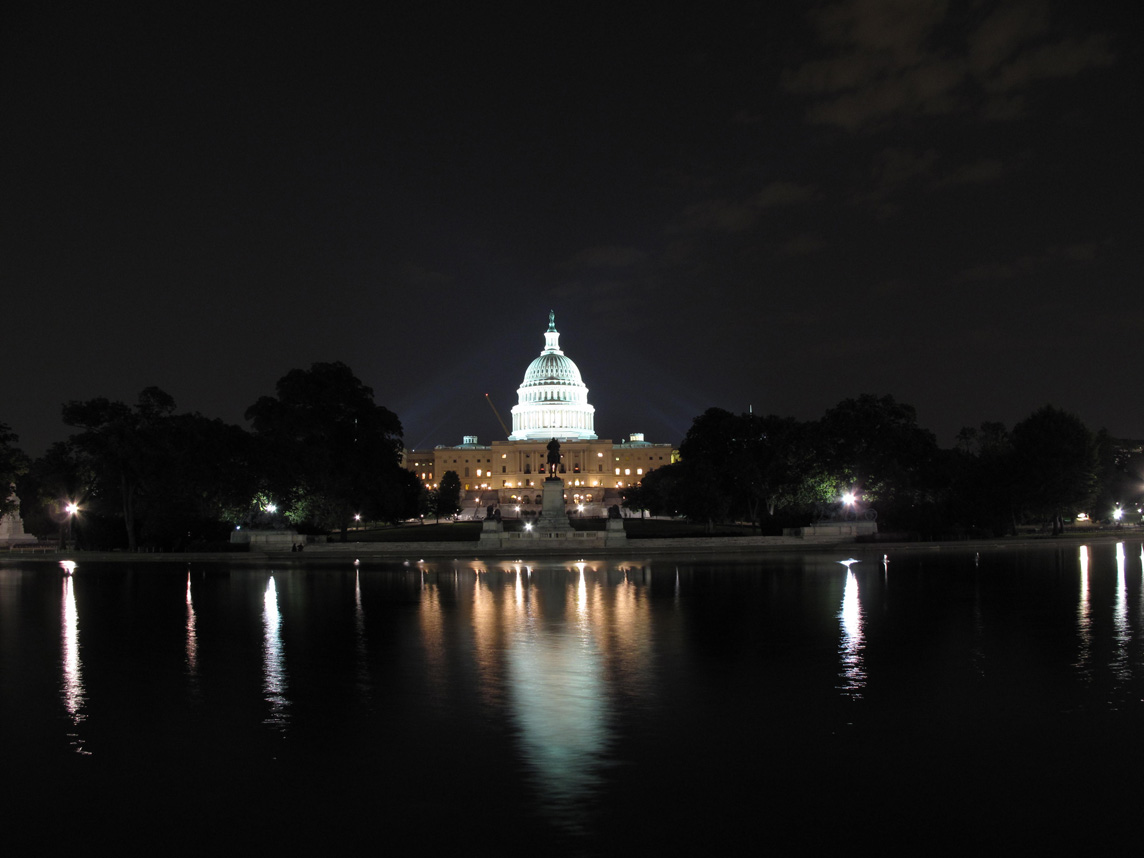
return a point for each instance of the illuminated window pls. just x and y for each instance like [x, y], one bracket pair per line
[627, 472]
[617, 472]
[639, 470]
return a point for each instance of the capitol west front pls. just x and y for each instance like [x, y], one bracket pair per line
[552, 403]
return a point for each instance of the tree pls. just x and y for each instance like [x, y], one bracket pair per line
[873, 445]
[1120, 475]
[208, 476]
[1055, 463]
[982, 496]
[448, 495]
[120, 445]
[53, 480]
[758, 464]
[661, 491]
[13, 463]
[330, 449]
[710, 458]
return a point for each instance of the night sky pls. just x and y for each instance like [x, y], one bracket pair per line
[775, 205]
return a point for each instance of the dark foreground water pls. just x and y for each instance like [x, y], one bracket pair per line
[937, 701]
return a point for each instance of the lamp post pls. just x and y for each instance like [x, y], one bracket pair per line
[71, 508]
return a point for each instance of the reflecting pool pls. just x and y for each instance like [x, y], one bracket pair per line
[969, 700]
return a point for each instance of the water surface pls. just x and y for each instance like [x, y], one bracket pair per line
[969, 700]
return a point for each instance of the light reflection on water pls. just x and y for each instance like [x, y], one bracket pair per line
[74, 696]
[1084, 618]
[1122, 631]
[359, 635]
[586, 684]
[274, 661]
[192, 633]
[559, 700]
[552, 649]
[850, 651]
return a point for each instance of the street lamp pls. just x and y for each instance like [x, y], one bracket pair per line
[71, 508]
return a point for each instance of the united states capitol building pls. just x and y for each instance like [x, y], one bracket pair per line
[552, 402]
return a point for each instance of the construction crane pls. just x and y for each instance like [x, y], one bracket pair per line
[489, 400]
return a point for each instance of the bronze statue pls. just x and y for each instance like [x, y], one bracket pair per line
[553, 457]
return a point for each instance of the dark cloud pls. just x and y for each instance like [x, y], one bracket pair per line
[782, 193]
[801, 244]
[889, 59]
[985, 170]
[607, 256]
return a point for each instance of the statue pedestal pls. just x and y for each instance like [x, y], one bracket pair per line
[614, 534]
[491, 531]
[12, 527]
[553, 515]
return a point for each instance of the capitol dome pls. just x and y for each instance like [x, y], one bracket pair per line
[552, 400]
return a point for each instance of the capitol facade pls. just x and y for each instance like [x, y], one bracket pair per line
[552, 402]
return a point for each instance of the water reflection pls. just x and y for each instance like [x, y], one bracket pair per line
[559, 697]
[1084, 618]
[850, 650]
[552, 649]
[192, 634]
[273, 659]
[1122, 632]
[359, 633]
[72, 689]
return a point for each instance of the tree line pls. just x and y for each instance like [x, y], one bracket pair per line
[776, 471]
[320, 453]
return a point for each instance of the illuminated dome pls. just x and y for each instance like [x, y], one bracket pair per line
[552, 400]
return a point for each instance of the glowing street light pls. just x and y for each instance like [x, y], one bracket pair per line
[72, 509]
[849, 498]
